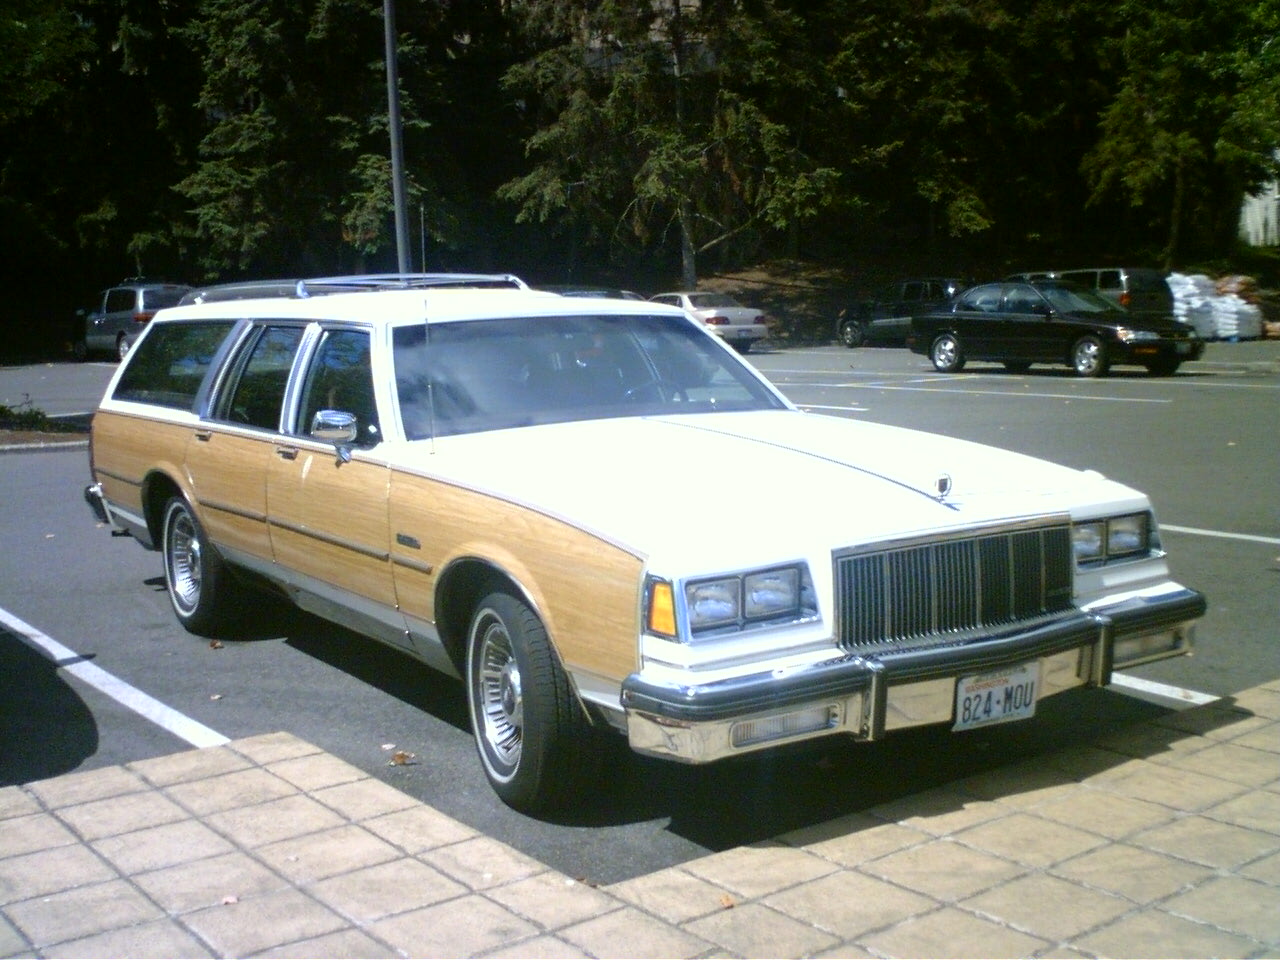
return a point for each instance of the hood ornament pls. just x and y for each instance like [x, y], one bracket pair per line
[943, 485]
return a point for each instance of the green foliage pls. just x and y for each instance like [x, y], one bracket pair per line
[1193, 123]
[204, 139]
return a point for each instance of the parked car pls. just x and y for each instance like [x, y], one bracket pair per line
[1143, 291]
[122, 313]
[580, 290]
[1019, 324]
[887, 317]
[498, 482]
[738, 325]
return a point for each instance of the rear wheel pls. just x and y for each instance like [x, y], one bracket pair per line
[853, 333]
[1089, 357]
[530, 731]
[946, 354]
[200, 587]
[122, 347]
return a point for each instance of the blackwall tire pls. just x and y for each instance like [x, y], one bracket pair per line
[535, 744]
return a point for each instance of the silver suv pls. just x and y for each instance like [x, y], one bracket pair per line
[1140, 290]
[121, 314]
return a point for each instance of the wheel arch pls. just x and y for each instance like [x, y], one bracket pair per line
[462, 584]
[157, 488]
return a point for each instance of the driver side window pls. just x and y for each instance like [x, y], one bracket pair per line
[341, 378]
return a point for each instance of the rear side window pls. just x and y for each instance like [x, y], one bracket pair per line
[168, 365]
[261, 376]
[161, 297]
[120, 299]
[1086, 278]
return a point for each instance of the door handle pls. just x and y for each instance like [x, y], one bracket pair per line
[204, 436]
[287, 453]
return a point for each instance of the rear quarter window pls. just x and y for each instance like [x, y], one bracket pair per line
[168, 366]
[120, 299]
[159, 299]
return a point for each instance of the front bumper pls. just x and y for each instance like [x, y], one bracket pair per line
[867, 696]
[1145, 351]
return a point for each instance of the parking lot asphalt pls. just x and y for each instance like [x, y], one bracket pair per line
[1159, 840]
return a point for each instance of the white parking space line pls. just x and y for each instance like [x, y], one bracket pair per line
[1161, 693]
[180, 725]
[1221, 534]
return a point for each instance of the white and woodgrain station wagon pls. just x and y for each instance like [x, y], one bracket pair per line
[514, 487]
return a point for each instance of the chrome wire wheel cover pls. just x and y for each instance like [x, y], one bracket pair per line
[499, 698]
[945, 352]
[1088, 356]
[182, 553]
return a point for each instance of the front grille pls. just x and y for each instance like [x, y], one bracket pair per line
[941, 591]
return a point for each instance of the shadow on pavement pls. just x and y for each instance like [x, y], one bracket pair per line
[45, 728]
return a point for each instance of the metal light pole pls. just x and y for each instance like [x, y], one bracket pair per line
[397, 137]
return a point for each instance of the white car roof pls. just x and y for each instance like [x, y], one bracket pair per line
[392, 307]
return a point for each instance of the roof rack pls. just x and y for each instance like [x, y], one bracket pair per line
[316, 286]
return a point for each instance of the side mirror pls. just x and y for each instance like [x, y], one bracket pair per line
[337, 427]
[1042, 310]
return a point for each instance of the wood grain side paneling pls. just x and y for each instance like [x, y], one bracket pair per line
[329, 521]
[586, 590]
[127, 448]
[228, 472]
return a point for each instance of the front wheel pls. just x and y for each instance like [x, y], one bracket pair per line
[122, 347]
[1089, 357]
[200, 586]
[853, 333]
[946, 354]
[530, 732]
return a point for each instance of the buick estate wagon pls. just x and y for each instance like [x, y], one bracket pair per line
[498, 481]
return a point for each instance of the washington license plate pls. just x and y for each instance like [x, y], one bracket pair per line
[997, 697]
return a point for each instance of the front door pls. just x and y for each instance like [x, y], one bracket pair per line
[327, 503]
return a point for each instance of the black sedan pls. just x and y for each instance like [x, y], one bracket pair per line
[1019, 324]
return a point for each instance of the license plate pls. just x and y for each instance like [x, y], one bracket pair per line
[997, 697]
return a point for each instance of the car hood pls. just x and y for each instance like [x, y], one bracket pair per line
[736, 488]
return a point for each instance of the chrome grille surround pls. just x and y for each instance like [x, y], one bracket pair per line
[935, 591]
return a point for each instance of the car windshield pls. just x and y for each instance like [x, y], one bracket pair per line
[475, 375]
[1069, 299]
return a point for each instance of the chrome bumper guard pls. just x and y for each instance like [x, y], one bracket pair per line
[97, 503]
[851, 693]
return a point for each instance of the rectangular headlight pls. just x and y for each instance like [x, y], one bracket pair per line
[1128, 535]
[713, 603]
[1088, 540]
[1114, 538]
[772, 596]
[772, 593]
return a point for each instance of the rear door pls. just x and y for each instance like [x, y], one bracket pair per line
[978, 323]
[113, 319]
[229, 454]
[1028, 331]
